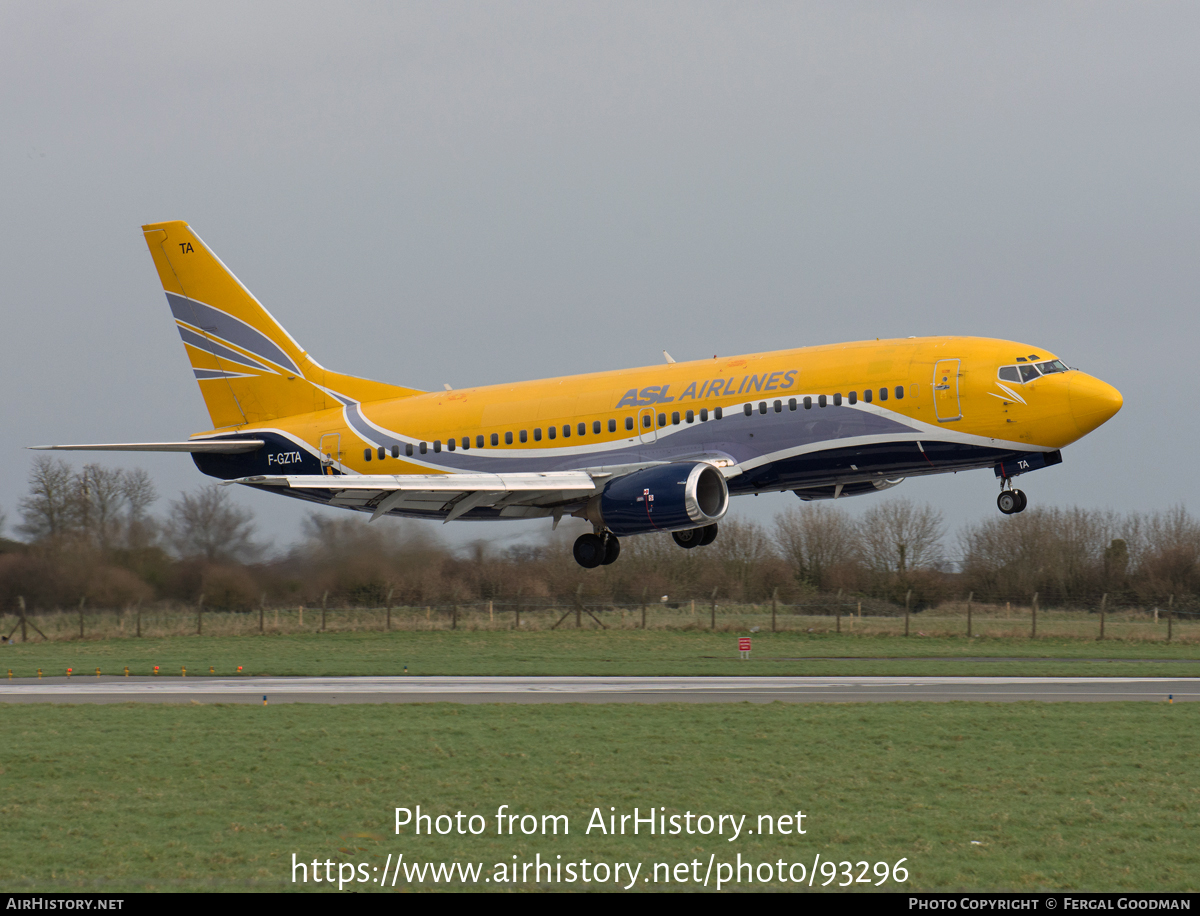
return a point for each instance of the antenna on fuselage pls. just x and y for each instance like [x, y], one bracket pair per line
[670, 358]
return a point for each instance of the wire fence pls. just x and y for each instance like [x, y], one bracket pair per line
[849, 616]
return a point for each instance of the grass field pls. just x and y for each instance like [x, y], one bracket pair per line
[611, 652]
[974, 796]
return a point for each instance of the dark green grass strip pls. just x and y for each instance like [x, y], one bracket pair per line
[976, 796]
[595, 652]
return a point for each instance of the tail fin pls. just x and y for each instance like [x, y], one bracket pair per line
[249, 368]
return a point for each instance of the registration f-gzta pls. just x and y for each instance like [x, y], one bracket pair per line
[660, 448]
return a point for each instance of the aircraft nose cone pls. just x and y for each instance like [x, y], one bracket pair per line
[1093, 402]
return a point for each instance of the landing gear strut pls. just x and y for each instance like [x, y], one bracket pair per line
[592, 550]
[1010, 502]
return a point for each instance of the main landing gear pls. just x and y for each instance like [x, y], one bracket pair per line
[603, 548]
[1010, 502]
[695, 537]
[592, 550]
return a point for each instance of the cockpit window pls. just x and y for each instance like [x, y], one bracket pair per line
[1052, 365]
[1024, 372]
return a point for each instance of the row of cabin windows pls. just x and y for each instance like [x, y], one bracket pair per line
[676, 418]
[822, 401]
[552, 432]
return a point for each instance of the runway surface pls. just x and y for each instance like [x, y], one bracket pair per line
[594, 689]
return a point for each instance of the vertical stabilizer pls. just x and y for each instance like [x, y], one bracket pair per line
[249, 368]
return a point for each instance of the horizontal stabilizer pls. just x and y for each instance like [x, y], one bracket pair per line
[210, 446]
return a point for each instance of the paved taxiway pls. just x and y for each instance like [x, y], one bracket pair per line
[415, 689]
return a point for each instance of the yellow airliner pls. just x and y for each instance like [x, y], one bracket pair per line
[661, 448]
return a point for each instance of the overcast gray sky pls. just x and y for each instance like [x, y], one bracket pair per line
[479, 192]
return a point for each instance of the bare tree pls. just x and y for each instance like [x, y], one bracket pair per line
[898, 536]
[49, 509]
[207, 524]
[813, 538]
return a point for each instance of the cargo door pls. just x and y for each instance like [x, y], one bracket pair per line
[946, 403]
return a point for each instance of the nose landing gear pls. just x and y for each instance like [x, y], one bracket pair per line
[592, 550]
[1010, 501]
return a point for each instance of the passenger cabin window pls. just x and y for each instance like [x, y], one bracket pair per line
[395, 451]
[495, 439]
[675, 418]
[690, 416]
[883, 394]
[450, 444]
[820, 400]
[853, 397]
[867, 395]
[762, 406]
[646, 421]
[424, 447]
[837, 399]
[366, 454]
[703, 414]
[382, 452]
[662, 419]
[899, 392]
[612, 426]
[808, 403]
[596, 427]
[748, 409]
[437, 445]
[508, 438]
[566, 430]
[537, 434]
[717, 413]
[582, 429]
[408, 449]
[552, 431]
[466, 442]
[524, 435]
[629, 422]
[791, 403]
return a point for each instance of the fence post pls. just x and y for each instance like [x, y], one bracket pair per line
[517, 625]
[491, 612]
[200, 615]
[1033, 631]
[907, 602]
[454, 617]
[1170, 617]
[645, 588]
[324, 598]
[1103, 602]
[839, 617]
[579, 606]
[262, 609]
[714, 608]
[970, 595]
[389, 608]
[774, 602]
[81, 601]
[138, 611]
[21, 604]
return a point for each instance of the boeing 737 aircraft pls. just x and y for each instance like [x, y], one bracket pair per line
[660, 448]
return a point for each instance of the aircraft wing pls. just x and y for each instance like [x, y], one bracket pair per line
[455, 494]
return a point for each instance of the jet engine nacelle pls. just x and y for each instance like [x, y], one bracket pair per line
[849, 489]
[670, 497]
